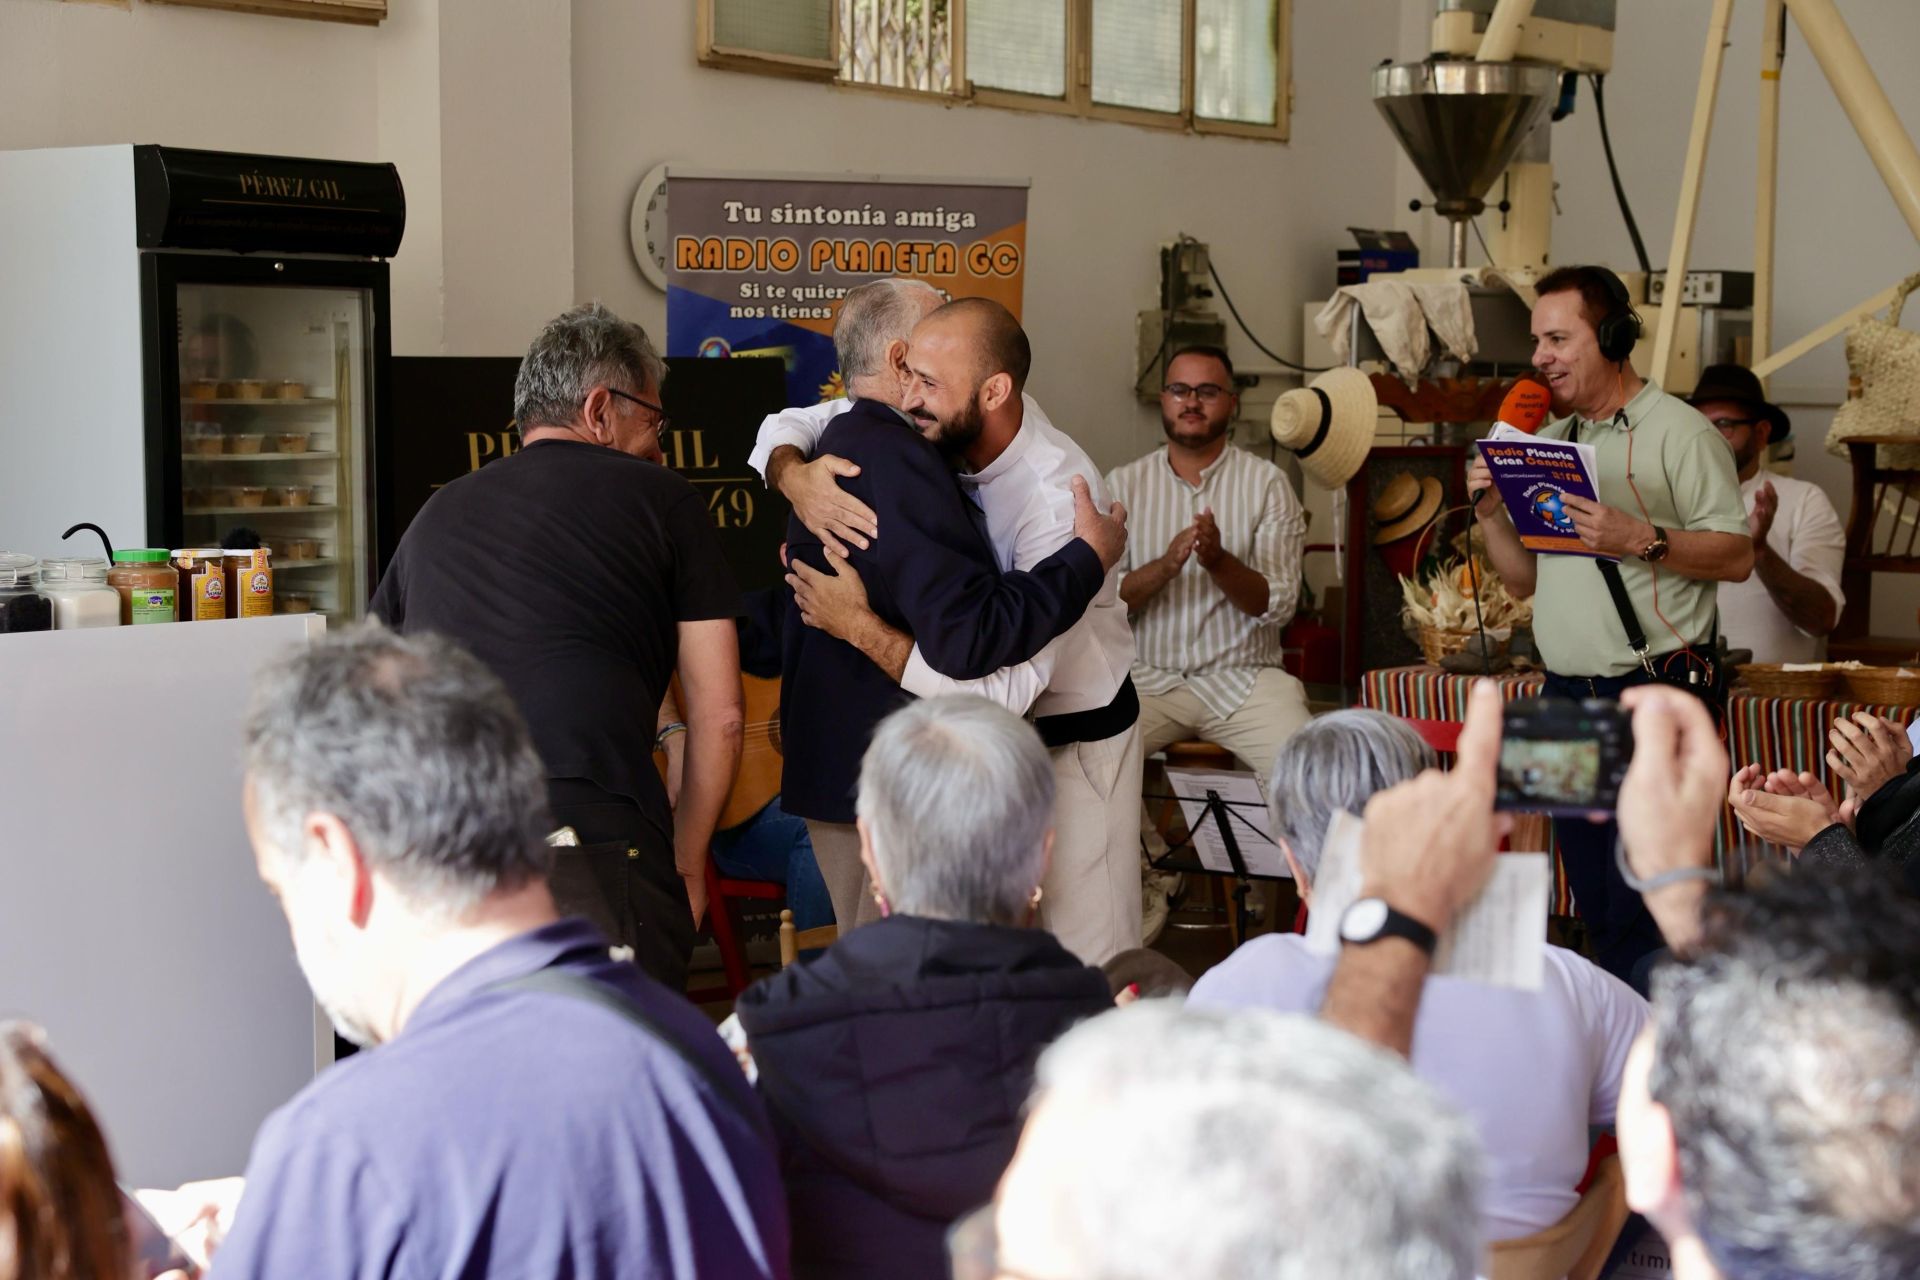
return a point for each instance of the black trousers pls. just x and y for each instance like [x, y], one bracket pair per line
[1624, 937]
[648, 903]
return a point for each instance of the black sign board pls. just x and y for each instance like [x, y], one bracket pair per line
[185, 199]
[454, 414]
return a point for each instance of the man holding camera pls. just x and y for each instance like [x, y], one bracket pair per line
[1671, 524]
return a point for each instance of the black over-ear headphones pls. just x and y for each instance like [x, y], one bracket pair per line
[1620, 329]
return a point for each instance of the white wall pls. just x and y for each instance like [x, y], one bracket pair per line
[81, 74]
[1104, 195]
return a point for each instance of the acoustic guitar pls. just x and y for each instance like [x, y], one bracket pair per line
[760, 752]
[758, 780]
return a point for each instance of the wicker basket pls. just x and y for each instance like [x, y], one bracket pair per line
[1769, 681]
[1884, 686]
[1436, 644]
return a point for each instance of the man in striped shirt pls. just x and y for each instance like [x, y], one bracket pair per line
[1207, 610]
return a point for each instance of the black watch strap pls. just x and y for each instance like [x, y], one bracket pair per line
[1371, 919]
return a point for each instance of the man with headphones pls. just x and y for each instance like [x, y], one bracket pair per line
[1669, 525]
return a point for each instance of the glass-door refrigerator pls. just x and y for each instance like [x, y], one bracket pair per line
[195, 347]
[267, 371]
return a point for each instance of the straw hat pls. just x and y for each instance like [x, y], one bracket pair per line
[1405, 506]
[1328, 424]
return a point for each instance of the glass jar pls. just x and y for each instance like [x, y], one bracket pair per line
[22, 607]
[147, 584]
[79, 592]
[249, 583]
[203, 583]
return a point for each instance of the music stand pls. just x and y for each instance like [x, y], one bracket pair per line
[1222, 828]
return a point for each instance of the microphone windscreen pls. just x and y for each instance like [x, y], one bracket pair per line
[1526, 406]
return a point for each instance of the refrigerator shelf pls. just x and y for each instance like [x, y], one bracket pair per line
[324, 562]
[258, 511]
[262, 402]
[256, 457]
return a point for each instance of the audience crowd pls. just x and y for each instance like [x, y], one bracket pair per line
[949, 1088]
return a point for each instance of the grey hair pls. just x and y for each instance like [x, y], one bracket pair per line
[1307, 1152]
[957, 793]
[875, 314]
[1787, 1054]
[416, 747]
[1335, 763]
[578, 350]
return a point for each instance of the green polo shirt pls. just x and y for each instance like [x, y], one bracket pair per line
[1686, 480]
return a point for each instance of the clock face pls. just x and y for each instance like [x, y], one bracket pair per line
[647, 227]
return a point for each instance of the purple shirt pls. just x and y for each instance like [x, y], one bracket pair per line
[519, 1134]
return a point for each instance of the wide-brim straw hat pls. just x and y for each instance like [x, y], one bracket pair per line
[1405, 506]
[1328, 424]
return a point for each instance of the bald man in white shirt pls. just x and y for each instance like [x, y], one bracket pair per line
[966, 369]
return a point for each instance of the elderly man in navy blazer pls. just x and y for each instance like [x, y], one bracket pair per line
[931, 572]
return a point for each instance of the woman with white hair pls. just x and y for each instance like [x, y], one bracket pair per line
[896, 1063]
[1531, 1069]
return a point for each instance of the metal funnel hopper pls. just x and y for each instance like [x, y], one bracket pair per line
[1460, 123]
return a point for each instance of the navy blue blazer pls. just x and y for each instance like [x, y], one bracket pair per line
[930, 573]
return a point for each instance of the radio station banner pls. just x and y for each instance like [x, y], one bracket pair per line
[453, 415]
[759, 263]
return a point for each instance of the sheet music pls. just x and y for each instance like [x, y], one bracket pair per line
[1498, 940]
[1246, 818]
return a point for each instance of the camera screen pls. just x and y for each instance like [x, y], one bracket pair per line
[1562, 757]
[1550, 774]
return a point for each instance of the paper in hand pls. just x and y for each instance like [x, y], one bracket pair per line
[1533, 477]
[1500, 938]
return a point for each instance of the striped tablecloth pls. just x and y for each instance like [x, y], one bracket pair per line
[1776, 733]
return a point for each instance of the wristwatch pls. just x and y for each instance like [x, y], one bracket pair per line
[1371, 919]
[1656, 551]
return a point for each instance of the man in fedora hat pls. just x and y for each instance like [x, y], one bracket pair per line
[1208, 609]
[1667, 528]
[1785, 611]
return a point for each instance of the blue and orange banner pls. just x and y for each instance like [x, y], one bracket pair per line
[760, 263]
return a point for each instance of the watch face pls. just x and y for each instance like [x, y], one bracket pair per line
[1363, 920]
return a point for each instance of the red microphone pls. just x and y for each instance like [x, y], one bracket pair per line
[1524, 409]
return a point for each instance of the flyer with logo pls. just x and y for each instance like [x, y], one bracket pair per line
[1534, 477]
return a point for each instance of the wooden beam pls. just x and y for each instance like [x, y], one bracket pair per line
[1502, 39]
[1711, 61]
[1864, 101]
[1831, 329]
[1773, 37]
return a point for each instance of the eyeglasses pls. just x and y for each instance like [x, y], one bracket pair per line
[1728, 424]
[656, 410]
[1206, 392]
[973, 1248]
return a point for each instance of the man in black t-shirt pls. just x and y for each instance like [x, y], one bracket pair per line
[585, 575]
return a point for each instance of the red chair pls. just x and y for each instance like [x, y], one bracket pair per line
[721, 892]
[1442, 735]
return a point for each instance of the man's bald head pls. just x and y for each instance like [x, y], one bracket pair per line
[998, 342]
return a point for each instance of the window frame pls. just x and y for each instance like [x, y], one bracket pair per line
[1078, 99]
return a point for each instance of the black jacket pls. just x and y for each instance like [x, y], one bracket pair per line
[1884, 832]
[896, 1066]
[930, 573]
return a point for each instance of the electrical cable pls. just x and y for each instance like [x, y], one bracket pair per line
[1475, 224]
[1234, 311]
[1613, 170]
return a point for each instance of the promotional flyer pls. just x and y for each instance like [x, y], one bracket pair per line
[759, 262]
[1533, 476]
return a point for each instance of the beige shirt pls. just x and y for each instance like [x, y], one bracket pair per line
[1190, 633]
[1682, 478]
[1806, 533]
